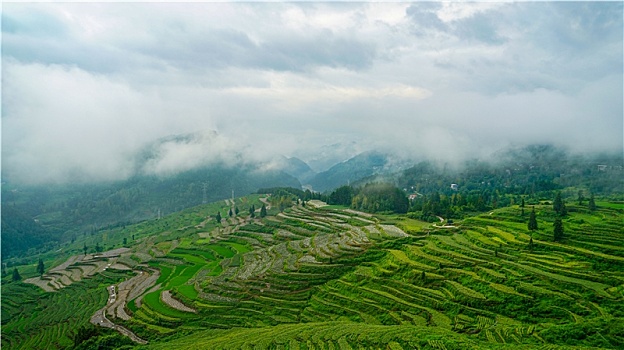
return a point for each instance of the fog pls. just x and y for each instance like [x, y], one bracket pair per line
[89, 89]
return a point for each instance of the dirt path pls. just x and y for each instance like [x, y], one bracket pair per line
[99, 319]
[265, 200]
[443, 226]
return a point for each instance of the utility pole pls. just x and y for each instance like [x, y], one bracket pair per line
[205, 199]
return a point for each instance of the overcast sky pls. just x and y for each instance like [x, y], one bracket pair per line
[86, 86]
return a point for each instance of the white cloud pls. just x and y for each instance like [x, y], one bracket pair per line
[88, 85]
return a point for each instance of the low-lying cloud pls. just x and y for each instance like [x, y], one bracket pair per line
[88, 88]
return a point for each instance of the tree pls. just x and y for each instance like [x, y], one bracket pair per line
[218, 217]
[342, 196]
[83, 334]
[230, 213]
[559, 205]
[558, 230]
[40, 267]
[581, 198]
[98, 248]
[532, 221]
[592, 203]
[236, 210]
[84, 248]
[263, 211]
[522, 207]
[16, 275]
[125, 241]
[531, 243]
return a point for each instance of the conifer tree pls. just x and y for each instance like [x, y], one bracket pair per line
[218, 217]
[236, 210]
[16, 275]
[230, 213]
[40, 267]
[557, 230]
[581, 198]
[559, 205]
[263, 211]
[592, 203]
[532, 226]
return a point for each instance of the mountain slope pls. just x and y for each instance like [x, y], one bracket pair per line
[362, 165]
[70, 210]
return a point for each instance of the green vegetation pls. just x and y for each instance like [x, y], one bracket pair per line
[283, 271]
[34, 319]
[64, 213]
[307, 277]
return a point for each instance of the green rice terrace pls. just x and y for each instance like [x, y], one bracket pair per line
[327, 277]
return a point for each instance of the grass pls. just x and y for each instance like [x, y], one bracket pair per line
[314, 279]
[33, 319]
[619, 205]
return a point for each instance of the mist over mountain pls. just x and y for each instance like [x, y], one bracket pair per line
[165, 170]
[40, 214]
[296, 167]
[366, 164]
[289, 94]
[321, 82]
[322, 157]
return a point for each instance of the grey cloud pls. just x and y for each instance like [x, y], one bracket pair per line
[181, 46]
[86, 100]
[33, 23]
[583, 26]
[424, 17]
[480, 27]
[555, 46]
[324, 49]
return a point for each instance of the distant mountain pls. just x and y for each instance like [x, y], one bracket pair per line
[295, 167]
[324, 157]
[358, 167]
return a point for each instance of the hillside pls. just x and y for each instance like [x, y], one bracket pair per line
[356, 168]
[333, 277]
[68, 211]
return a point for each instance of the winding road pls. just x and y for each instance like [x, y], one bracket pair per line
[99, 318]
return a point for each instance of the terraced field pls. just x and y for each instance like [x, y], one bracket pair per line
[329, 278]
[252, 273]
[338, 285]
[34, 319]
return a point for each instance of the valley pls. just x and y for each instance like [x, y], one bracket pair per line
[302, 175]
[332, 277]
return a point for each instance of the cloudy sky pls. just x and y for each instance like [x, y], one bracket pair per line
[87, 86]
